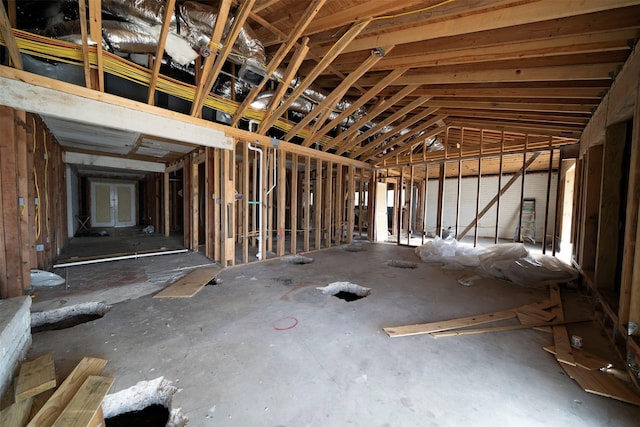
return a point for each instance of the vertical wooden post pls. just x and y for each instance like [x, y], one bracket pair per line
[294, 204]
[546, 211]
[339, 205]
[371, 204]
[328, 223]
[281, 187]
[360, 201]
[217, 207]
[425, 195]
[24, 171]
[458, 193]
[186, 202]
[264, 226]
[209, 203]
[166, 223]
[228, 207]
[410, 205]
[11, 272]
[399, 205]
[307, 202]
[195, 207]
[317, 204]
[441, 179]
[475, 230]
[351, 212]
[495, 240]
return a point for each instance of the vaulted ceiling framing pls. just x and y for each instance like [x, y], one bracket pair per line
[490, 76]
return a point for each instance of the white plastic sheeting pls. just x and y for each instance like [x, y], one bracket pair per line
[511, 262]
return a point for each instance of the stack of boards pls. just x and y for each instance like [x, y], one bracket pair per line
[76, 402]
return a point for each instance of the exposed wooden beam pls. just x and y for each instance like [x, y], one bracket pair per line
[9, 39]
[516, 106]
[331, 99]
[573, 44]
[383, 106]
[211, 74]
[518, 127]
[82, 9]
[504, 91]
[162, 40]
[361, 101]
[95, 30]
[410, 121]
[338, 47]
[291, 70]
[301, 25]
[414, 132]
[491, 18]
[392, 118]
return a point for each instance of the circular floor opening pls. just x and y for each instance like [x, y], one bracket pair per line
[67, 317]
[151, 416]
[346, 291]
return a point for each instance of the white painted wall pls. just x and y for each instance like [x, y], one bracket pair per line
[535, 187]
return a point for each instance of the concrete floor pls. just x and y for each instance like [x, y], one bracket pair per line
[266, 348]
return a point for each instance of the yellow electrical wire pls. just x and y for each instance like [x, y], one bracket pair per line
[46, 181]
[35, 180]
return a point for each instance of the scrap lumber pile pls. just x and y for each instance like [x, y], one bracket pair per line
[588, 370]
[76, 402]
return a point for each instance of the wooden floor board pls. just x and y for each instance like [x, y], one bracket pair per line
[189, 285]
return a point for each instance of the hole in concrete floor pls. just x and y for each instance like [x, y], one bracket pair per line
[68, 322]
[67, 317]
[354, 248]
[297, 259]
[150, 416]
[348, 296]
[346, 291]
[402, 264]
[147, 403]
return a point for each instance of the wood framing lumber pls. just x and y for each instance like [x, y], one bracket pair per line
[16, 415]
[189, 285]
[35, 376]
[504, 328]
[162, 40]
[445, 325]
[82, 409]
[50, 412]
[583, 358]
[564, 352]
[7, 34]
[602, 384]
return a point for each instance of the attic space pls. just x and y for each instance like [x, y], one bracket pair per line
[320, 212]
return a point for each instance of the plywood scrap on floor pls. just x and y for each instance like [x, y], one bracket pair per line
[602, 384]
[446, 325]
[49, 413]
[456, 332]
[85, 407]
[189, 285]
[16, 415]
[564, 352]
[35, 376]
[583, 359]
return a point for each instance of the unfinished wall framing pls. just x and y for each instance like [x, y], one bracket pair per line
[33, 203]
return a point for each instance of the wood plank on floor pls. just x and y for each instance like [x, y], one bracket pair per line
[16, 415]
[564, 351]
[88, 366]
[583, 359]
[189, 285]
[456, 332]
[602, 384]
[82, 409]
[445, 325]
[35, 376]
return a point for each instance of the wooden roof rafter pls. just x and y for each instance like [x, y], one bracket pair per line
[162, 40]
[95, 31]
[333, 97]
[211, 72]
[10, 41]
[338, 47]
[364, 150]
[310, 12]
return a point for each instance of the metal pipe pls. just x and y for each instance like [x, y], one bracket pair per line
[119, 258]
[261, 155]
